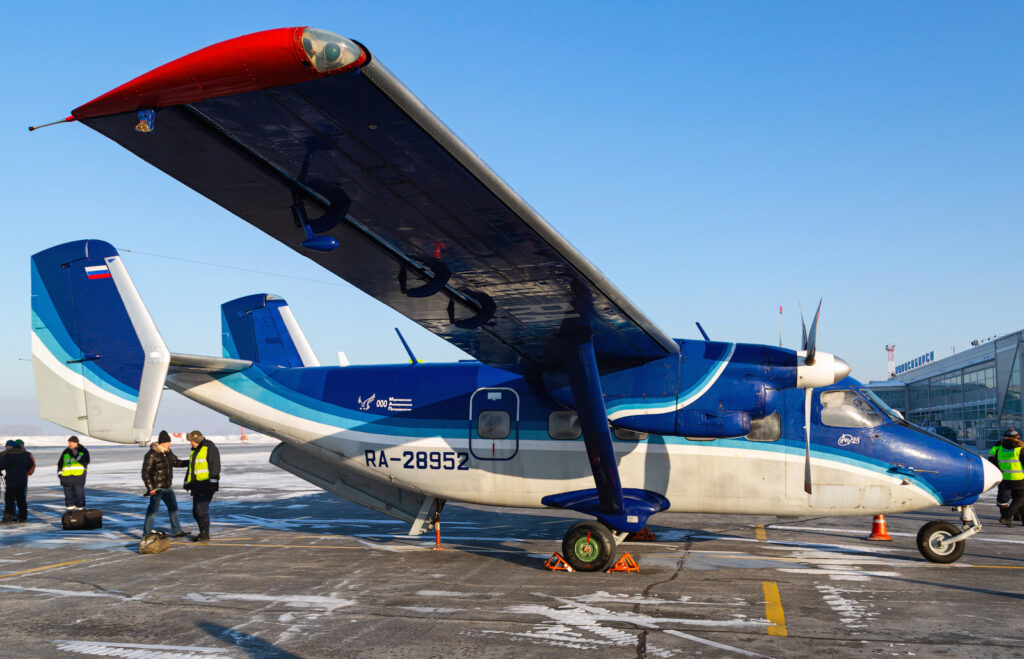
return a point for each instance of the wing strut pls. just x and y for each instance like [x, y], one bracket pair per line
[623, 510]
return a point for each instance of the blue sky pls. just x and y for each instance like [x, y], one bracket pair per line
[714, 160]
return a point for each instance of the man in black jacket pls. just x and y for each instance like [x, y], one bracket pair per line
[157, 476]
[17, 465]
[202, 480]
[71, 469]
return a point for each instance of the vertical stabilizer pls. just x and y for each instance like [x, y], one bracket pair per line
[98, 359]
[262, 329]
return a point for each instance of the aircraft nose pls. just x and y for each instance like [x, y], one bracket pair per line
[991, 474]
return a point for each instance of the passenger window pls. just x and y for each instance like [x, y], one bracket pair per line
[846, 409]
[493, 424]
[564, 424]
[768, 429]
[629, 435]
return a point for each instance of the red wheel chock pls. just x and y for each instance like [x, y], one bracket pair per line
[624, 564]
[878, 530]
[643, 535]
[556, 562]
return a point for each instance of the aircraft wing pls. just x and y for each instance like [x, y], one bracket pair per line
[309, 151]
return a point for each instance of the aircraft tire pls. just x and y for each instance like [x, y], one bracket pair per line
[589, 546]
[930, 535]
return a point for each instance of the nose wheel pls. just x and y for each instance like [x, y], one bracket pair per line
[943, 542]
[589, 546]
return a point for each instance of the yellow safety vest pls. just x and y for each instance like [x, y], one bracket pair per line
[71, 466]
[1009, 462]
[198, 466]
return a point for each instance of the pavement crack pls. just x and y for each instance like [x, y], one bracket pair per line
[641, 645]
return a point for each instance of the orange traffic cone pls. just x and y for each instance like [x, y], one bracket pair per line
[556, 562]
[878, 530]
[624, 564]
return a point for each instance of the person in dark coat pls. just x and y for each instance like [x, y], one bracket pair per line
[201, 480]
[157, 475]
[17, 465]
[72, 466]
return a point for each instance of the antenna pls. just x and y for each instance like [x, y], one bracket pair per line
[780, 325]
[412, 357]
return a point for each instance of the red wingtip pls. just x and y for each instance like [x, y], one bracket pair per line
[255, 61]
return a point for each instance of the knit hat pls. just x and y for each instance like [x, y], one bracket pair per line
[164, 438]
[19, 443]
[195, 436]
[10, 444]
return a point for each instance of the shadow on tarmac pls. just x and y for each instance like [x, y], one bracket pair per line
[255, 646]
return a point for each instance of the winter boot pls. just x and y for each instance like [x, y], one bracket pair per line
[202, 537]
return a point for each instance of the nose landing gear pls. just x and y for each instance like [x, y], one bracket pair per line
[942, 542]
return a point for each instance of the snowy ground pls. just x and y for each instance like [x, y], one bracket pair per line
[295, 572]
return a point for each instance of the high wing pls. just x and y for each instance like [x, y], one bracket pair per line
[304, 135]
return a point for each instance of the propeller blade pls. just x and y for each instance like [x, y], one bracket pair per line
[812, 338]
[807, 446]
[803, 327]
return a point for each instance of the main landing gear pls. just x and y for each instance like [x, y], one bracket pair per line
[942, 542]
[589, 546]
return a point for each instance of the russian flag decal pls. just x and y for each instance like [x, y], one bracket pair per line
[97, 272]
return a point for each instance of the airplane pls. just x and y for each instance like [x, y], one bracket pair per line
[574, 399]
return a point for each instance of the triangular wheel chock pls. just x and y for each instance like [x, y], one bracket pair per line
[556, 562]
[643, 535]
[624, 564]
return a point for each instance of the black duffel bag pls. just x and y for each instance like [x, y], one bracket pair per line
[76, 520]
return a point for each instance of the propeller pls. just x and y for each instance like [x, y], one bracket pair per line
[807, 446]
[810, 352]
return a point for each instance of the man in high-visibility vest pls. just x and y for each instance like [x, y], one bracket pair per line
[201, 480]
[1006, 456]
[71, 468]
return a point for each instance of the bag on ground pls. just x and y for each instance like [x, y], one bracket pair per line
[154, 542]
[93, 518]
[73, 520]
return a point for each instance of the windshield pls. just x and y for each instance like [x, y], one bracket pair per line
[880, 404]
[845, 409]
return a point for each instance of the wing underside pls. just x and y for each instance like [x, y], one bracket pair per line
[423, 225]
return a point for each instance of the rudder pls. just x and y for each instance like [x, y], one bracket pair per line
[98, 359]
[262, 329]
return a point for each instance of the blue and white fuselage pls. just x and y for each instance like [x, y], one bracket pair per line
[416, 426]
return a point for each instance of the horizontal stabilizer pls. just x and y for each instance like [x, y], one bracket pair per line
[98, 359]
[212, 365]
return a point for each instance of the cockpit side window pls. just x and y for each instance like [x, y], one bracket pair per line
[847, 409]
[768, 429]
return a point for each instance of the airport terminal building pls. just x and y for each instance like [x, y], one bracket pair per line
[971, 396]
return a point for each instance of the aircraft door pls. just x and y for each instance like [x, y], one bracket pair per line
[494, 423]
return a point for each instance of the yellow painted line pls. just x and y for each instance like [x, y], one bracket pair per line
[773, 609]
[759, 532]
[995, 567]
[40, 569]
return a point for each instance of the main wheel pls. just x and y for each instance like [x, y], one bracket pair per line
[929, 537]
[588, 546]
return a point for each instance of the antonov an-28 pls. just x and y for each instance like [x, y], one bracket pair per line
[575, 399]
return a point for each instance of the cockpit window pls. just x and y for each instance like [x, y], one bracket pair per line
[880, 404]
[846, 409]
